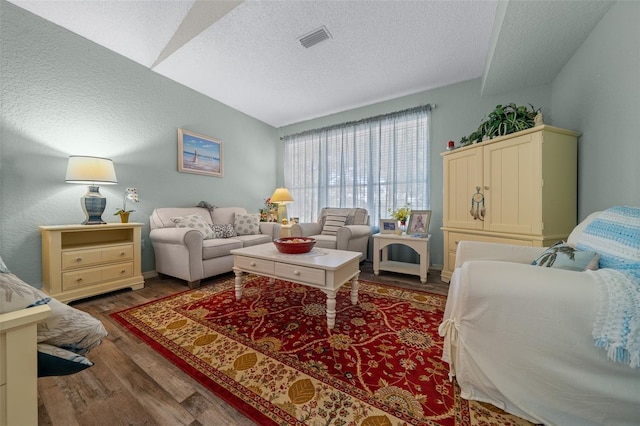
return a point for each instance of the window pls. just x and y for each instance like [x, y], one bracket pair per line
[379, 163]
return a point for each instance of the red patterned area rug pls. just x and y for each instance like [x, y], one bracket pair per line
[272, 357]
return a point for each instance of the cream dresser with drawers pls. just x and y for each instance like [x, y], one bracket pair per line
[516, 189]
[79, 261]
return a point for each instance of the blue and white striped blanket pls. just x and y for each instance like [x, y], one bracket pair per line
[615, 235]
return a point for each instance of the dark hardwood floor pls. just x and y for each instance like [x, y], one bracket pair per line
[131, 384]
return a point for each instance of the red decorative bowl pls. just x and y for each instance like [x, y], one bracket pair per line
[294, 245]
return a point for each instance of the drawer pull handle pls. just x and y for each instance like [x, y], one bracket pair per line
[252, 264]
[78, 259]
[78, 279]
[122, 253]
[123, 271]
[296, 272]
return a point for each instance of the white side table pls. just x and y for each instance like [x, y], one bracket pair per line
[285, 230]
[381, 243]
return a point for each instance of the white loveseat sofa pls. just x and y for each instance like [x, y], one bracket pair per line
[522, 336]
[184, 253]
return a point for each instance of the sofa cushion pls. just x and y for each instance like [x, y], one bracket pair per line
[563, 256]
[247, 224]
[194, 221]
[223, 230]
[253, 240]
[326, 241]
[218, 247]
[333, 222]
[226, 214]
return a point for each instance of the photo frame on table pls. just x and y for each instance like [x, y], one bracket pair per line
[419, 222]
[199, 154]
[388, 226]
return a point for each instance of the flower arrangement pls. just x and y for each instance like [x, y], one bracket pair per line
[401, 214]
[267, 209]
[129, 194]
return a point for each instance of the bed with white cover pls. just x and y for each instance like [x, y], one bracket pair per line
[520, 337]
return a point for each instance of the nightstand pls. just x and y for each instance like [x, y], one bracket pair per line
[79, 261]
[285, 230]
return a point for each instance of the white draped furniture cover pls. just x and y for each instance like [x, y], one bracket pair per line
[520, 337]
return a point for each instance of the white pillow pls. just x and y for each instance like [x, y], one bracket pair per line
[194, 221]
[247, 224]
[333, 222]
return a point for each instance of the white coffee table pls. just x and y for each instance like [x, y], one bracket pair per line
[324, 269]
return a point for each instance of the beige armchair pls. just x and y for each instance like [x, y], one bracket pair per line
[338, 228]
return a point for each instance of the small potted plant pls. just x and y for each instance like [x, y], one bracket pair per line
[401, 215]
[129, 194]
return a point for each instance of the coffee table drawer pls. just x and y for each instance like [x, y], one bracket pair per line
[311, 276]
[258, 266]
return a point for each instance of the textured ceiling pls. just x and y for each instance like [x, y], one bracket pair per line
[246, 54]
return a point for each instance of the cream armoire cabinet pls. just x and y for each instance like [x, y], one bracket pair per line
[515, 189]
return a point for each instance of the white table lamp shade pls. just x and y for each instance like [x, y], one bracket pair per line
[91, 171]
[281, 196]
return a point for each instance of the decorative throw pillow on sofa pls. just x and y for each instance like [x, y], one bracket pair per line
[333, 222]
[247, 224]
[194, 221]
[223, 230]
[563, 256]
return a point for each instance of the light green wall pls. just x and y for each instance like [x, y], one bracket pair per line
[598, 93]
[63, 95]
[459, 110]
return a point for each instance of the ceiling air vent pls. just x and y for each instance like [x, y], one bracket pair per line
[315, 37]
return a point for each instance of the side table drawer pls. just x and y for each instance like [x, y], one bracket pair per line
[87, 277]
[87, 257]
[258, 266]
[79, 258]
[300, 273]
[118, 254]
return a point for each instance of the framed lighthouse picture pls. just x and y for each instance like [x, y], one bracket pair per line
[199, 154]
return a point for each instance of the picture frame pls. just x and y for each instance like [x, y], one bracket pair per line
[199, 154]
[419, 222]
[388, 226]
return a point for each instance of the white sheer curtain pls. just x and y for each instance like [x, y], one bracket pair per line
[378, 163]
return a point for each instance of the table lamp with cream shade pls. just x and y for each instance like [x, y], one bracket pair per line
[91, 171]
[281, 196]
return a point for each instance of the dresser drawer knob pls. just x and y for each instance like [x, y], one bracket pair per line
[123, 271]
[78, 259]
[296, 272]
[122, 253]
[78, 279]
[252, 264]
